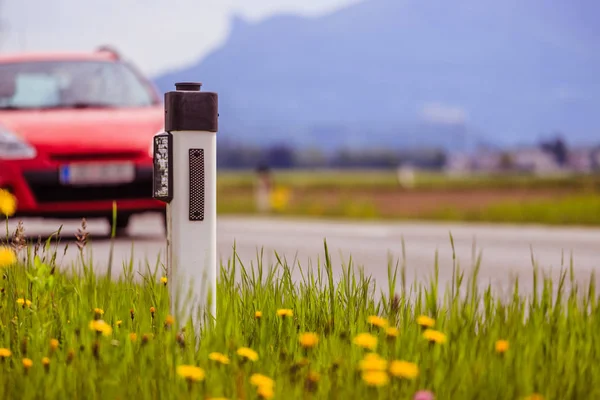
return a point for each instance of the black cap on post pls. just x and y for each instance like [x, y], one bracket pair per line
[189, 109]
[188, 86]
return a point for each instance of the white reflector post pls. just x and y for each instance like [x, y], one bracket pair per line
[191, 120]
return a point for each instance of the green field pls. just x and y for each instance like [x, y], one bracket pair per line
[557, 200]
[70, 332]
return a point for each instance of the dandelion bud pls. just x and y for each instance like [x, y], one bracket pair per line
[46, 364]
[132, 313]
[70, 356]
[152, 311]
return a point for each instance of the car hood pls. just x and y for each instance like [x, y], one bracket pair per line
[126, 129]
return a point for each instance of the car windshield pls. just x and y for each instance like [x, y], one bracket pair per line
[71, 84]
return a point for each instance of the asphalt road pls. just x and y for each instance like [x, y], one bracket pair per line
[506, 250]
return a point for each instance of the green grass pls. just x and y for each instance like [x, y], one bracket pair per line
[582, 210]
[553, 334]
[387, 179]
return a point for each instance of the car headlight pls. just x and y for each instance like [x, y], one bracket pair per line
[13, 148]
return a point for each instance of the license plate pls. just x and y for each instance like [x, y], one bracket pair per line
[97, 173]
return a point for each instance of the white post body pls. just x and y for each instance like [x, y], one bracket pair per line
[192, 245]
[187, 182]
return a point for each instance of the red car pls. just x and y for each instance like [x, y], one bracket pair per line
[76, 134]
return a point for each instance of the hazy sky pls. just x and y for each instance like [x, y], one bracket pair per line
[155, 34]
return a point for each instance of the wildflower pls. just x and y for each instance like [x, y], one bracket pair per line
[366, 340]
[308, 339]
[146, 337]
[372, 362]
[247, 353]
[265, 392]
[392, 332]
[377, 321]
[404, 369]
[169, 320]
[434, 336]
[27, 363]
[24, 303]
[219, 357]
[425, 321]
[285, 312]
[261, 380]
[152, 311]
[423, 395]
[311, 381]
[258, 315]
[534, 396]
[46, 363]
[100, 326]
[501, 346]
[375, 378]
[53, 344]
[191, 373]
[132, 336]
[98, 312]
[70, 356]
[132, 313]
[7, 257]
[164, 280]
[119, 322]
[8, 203]
[5, 353]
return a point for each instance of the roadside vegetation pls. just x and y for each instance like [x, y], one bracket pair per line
[553, 200]
[68, 331]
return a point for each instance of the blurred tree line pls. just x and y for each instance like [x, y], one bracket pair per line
[283, 156]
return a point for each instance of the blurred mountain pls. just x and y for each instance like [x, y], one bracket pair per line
[408, 73]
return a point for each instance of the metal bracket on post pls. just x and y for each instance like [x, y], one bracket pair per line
[162, 172]
[191, 123]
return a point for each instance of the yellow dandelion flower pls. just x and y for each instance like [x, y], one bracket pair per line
[285, 312]
[100, 326]
[247, 353]
[375, 378]
[133, 336]
[265, 392]
[404, 369]
[308, 339]
[218, 398]
[54, 344]
[501, 346]
[219, 357]
[119, 322]
[98, 311]
[27, 363]
[534, 396]
[8, 203]
[164, 280]
[170, 320]
[378, 321]
[7, 257]
[425, 321]
[392, 332]
[261, 380]
[45, 361]
[373, 362]
[191, 372]
[366, 340]
[258, 314]
[5, 353]
[434, 336]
